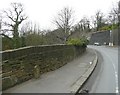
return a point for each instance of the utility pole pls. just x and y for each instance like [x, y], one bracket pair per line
[111, 33]
[111, 38]
[118, 23]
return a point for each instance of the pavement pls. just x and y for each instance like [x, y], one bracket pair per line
[67, 79]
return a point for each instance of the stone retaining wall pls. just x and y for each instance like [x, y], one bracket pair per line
[23, 64]
[104, 36]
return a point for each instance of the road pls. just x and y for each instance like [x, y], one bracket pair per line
[105, 77]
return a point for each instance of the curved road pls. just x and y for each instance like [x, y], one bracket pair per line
[106, 73]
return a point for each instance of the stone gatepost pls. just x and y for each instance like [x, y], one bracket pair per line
[36, 71]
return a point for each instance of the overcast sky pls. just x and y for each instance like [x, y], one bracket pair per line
[44, 11]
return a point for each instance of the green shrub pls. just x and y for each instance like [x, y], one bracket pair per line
[109, 27]
[77, 42]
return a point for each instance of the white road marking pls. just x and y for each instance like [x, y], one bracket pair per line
[116, 78]
[116, 74]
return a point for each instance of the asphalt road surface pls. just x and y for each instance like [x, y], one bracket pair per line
[105, 77]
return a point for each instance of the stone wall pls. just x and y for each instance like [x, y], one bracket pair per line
[23, 64]
[104, 36]
[116, 37]
[100, 37]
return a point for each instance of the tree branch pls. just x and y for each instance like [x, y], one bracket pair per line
[22, 19]
[6, 36]
[10, 17]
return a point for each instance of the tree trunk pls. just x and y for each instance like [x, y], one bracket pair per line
[16, 37]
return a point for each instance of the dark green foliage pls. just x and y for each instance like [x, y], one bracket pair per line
[77, 42]
[34, 39]
[7, 43]
[109, 27]
[27, 40]
[74, 42]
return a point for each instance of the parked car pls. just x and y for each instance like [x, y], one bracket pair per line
[97, 44]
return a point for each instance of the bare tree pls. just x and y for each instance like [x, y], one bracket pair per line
[85, 24]
[99, 20]
[119, 13]
[0, 22]
[15, 17]
[64, 21]
[113, 14]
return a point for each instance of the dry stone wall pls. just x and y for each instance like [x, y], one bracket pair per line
[23, 64]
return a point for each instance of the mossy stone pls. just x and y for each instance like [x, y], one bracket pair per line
[36, 71]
